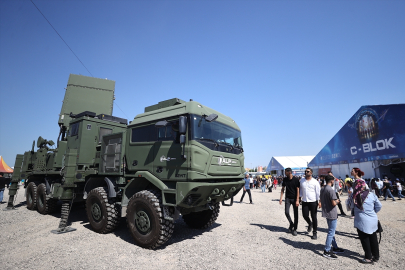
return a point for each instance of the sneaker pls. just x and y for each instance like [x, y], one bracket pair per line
[294, 232]
[367, 261]
[338, 250]
[329, 255]
[399, 199]
[309, 228]
[314, 237]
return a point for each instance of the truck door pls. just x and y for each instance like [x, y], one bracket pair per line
[168, 163]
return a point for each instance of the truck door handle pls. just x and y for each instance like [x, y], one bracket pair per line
[163, 158]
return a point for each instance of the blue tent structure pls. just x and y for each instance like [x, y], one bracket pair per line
[373, 139]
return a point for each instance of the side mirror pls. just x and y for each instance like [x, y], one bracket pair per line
[211, 117]
[182, 124]
[161, 124]
[182, 139]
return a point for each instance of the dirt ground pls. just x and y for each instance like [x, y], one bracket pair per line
[245, 236]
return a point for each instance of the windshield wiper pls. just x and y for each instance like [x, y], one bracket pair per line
[239, 147]
[211, 140]
[227, 143]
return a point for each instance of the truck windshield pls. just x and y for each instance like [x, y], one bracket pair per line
[215, 135]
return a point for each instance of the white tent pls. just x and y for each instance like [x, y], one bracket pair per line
[296, 163]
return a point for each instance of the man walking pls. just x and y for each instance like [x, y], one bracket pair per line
[329, 201]
[309, 194]
[387, 190]
[2, 186]
[291, 185]
[399, 188]
[246, 188]
[337, 189]
[263, 186]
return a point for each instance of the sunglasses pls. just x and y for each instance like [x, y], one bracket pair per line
[307, 171]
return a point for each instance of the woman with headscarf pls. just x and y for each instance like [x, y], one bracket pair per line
[366, 205]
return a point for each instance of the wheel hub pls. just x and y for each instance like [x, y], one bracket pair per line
[96, 212]
[142, 221]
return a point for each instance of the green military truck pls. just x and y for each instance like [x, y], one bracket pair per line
[176, 158]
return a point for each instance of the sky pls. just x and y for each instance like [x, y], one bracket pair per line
[290, 73]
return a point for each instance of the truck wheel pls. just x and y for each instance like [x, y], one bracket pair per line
[203, 219]
[45, 204]
[145, 219]
[102, 212]
[31, 196]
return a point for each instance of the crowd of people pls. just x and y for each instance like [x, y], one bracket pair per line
[323, 192]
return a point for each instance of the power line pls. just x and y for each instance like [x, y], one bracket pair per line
[62, 38]
[120, 109]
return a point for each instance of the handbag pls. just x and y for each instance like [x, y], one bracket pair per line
[379, 230]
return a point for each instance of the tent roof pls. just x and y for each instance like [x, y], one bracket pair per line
[293, 162]
[4, 167]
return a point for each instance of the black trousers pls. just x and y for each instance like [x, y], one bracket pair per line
[370, 245]
[310, 207]
[340, 205]
[289, 202]
[243, 195]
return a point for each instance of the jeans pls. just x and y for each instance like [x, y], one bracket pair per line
[400, 194]
[243, 195]
[310, 207]
[289, 202]
[388, 194]
[369, 243]
[330, 238]
[1, 194]
[263, 188]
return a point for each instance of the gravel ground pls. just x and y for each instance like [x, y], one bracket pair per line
[245, 236]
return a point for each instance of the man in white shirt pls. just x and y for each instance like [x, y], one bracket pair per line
[309, 195]
[399, 188]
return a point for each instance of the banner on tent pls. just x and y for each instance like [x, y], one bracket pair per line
[372, 133]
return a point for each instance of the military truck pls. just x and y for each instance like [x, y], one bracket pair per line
[176, 158]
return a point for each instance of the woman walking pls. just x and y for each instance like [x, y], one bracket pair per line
[366, 205]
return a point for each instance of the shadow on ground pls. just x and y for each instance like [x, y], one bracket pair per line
[181, 230]
[318, 248]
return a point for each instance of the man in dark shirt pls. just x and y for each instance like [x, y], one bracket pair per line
[291, 185]
[387, 190]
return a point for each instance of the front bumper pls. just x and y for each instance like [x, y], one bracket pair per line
[195, 194]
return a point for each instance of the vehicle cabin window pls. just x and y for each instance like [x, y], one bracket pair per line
[169, 132]
[144, 134]
[74, 129]
[103, 131]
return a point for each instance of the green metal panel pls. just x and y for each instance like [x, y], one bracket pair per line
[17, 167]
[87, 94]
[181, 108]
[164, 104]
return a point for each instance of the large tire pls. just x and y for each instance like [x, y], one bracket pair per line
[203, 219]
[145, 219]
[45, 204]
[31, 196]
[102, 212]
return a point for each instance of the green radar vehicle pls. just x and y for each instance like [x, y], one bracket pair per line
[176, 159]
